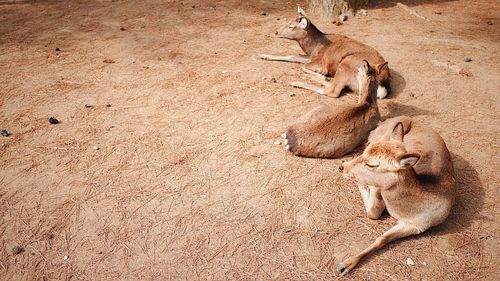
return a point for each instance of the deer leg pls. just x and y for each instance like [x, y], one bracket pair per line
[316, 67]
[335, 89]
[400, 230]
[374, 205]
[313, 88]
[340, 81]
[296, 59]
[320, 78]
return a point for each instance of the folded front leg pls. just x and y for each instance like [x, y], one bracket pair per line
[318, 77]
[372, 199]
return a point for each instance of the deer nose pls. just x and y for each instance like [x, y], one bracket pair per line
[341, 166]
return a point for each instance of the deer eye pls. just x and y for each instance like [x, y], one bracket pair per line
[371, 165]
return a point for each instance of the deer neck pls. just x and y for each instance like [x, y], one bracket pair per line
[368, 92]
[314, 40]
[407, 182]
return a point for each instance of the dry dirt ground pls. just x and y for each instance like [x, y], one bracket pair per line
[171, 171]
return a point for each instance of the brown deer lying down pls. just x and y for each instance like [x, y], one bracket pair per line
[332, 55]
[408, 170]
[335, 132]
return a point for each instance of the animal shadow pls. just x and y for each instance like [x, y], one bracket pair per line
[469, 199]
[398, 84]
[392, 109]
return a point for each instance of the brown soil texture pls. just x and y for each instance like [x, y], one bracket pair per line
[164, 167]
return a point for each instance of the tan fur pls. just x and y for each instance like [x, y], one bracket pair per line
[431, 162]
[332, 55]
[335, 132]
[407, 171]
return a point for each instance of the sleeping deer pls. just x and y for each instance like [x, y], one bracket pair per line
[407, 170]
[335, 132]
[332, 55]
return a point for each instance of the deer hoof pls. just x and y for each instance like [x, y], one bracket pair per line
[265, 57]
[341, 268]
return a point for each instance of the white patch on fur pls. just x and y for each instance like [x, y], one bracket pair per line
[362, 76]
[381, 92]
[303, 23]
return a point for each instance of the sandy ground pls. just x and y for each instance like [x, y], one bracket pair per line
[171, 171]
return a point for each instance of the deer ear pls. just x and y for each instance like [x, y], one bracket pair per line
[398, 132]
[383, 66]
[365, 65]
[303, 23]
[408, 160]
[300, 11]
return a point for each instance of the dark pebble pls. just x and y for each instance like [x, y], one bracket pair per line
[53, 120]
[263, 13]
[273, 80]
[4, 133]
[489, 22]
[58, 50]
[88, 106]
[122, 28]
[467, 59]
[17, 250]
[193, 6]
[108, 105]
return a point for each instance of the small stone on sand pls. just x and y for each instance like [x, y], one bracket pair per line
[17, 250]
[410, 262]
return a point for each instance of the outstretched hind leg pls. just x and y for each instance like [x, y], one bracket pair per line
[400, 230]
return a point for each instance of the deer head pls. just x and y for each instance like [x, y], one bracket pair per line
[296, 29]
[382, 163]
